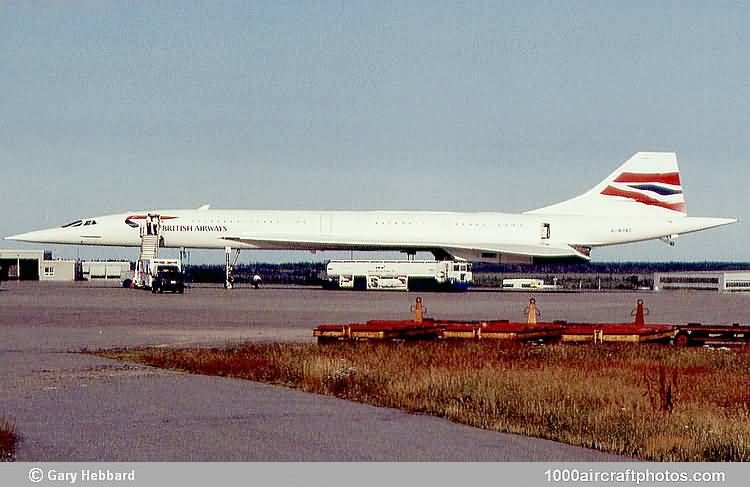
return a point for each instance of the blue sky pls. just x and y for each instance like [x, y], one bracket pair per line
[470, 106]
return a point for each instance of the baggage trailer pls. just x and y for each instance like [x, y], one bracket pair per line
[698, 334]
[378, 330]
[616, 332]
[501, 330]
[420, 328]
[398, 275]
[635, 332]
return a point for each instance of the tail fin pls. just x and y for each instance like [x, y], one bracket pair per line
[647, 184]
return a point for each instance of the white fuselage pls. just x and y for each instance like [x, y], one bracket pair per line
[641, 200]
[473, 236]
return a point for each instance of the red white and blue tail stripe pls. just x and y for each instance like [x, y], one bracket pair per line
[647, 184]
[654, 189]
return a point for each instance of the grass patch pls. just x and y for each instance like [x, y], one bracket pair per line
[7, 440]
[652, 402]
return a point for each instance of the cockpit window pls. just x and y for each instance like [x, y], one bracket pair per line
[76, 223]
[89, 222]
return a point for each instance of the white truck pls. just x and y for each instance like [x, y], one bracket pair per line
[398, 275]
[526, 284]
[147, 269]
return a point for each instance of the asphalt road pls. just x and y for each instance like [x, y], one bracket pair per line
[68, 406]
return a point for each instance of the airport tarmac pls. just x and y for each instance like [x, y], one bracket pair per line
[69, 406]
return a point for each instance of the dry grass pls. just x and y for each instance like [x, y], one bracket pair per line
[651, 402]
[7, 440]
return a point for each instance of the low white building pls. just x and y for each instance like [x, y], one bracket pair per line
[35, 265]
[38, 265]
[719, 281]
[58, 270]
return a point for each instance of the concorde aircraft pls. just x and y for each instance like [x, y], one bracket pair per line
[641, 200]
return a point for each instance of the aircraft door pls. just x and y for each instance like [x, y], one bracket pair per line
[326, 224]
[545, 231]
[153, 224]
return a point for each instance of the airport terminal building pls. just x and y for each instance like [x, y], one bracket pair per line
[720, 281]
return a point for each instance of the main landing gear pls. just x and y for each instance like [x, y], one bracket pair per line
[229, 264]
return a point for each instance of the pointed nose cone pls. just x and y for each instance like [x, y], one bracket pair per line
[40, 236]
[20, 237]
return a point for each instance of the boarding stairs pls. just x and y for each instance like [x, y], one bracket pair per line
[149, 233]
[150, 238]
[149, 247]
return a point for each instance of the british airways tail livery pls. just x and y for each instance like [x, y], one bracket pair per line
[642, 200]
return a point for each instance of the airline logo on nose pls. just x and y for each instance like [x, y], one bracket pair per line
[130, 220]
[653, 189]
